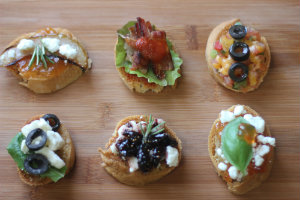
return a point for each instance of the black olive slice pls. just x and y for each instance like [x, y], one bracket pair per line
[234, 75]
[238, 31]
[34, 134]
[239, 51]
[53, 121]
[36, 164]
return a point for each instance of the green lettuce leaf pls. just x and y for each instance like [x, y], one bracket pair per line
[236, 150]
[55, 174]
[121, 61]
[14, 149]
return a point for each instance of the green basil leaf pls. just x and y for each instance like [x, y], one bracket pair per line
[14, 149]
[236, 150]
[121, 61]
[55, 174]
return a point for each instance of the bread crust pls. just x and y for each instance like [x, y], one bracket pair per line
[49, 85]
[67, 154]
[249, 182]
[141, 84]
[119, 169]
[216, 33]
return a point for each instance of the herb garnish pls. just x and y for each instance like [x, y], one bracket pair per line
[40, 54]
[150, 128]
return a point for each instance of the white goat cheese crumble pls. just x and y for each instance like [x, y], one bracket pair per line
[51, 44]
[226, 116]
[172, 156]
[25, 44]
[68, 51]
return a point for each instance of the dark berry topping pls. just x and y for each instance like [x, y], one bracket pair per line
[149, 146]
[128, 146]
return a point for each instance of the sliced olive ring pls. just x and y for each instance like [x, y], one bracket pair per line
[238, 31]
[232, 73]
[239, 51]
[36, 164]
[34, 134]
[53, 121]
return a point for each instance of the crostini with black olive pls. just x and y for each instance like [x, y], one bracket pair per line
[47, 60]
[241, 148]
[145, 58]
[238, 57]
[43, 150]
[141, 150]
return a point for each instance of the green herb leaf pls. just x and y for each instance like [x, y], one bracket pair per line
[55, 174]
[14, 149]
[121, 61]
[236, 150]
[240, 85]
[32, 58]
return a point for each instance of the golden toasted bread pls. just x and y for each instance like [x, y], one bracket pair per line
[49, 80]
[67, 154]
[249, 182]
[215, 35]
[119, 169]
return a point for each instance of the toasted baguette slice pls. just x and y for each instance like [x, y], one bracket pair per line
[75, 67]
[249, 182]
[119, 169]
[216, 33]
[67, 154]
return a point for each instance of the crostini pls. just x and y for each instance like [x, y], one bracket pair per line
[43, 150]
[141, 150]
[145, 58]
[241, 148]
[47, 60]
[238, 57]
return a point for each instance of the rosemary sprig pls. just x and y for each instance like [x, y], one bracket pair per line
[39, 54]
[150, 128]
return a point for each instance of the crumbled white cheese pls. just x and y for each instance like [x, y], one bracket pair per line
[133, 164]
[226, 116]
[68, 51]
[222, 166]
[121, 130]
[134, 125]
[41, 123]
[172, 156]
[24, 147]
[266, 140]
[51, 44]
[54, 140]
[219, 151]
[52, 157]
[25, 45]
[262, 150]
[11, 54]
[258, 160]
[113, 148]
[233, 172]
[238, 110]
[257, 122]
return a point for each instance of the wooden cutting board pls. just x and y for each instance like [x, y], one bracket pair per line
[91, 106]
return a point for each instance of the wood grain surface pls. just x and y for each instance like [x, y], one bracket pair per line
[91, 106]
